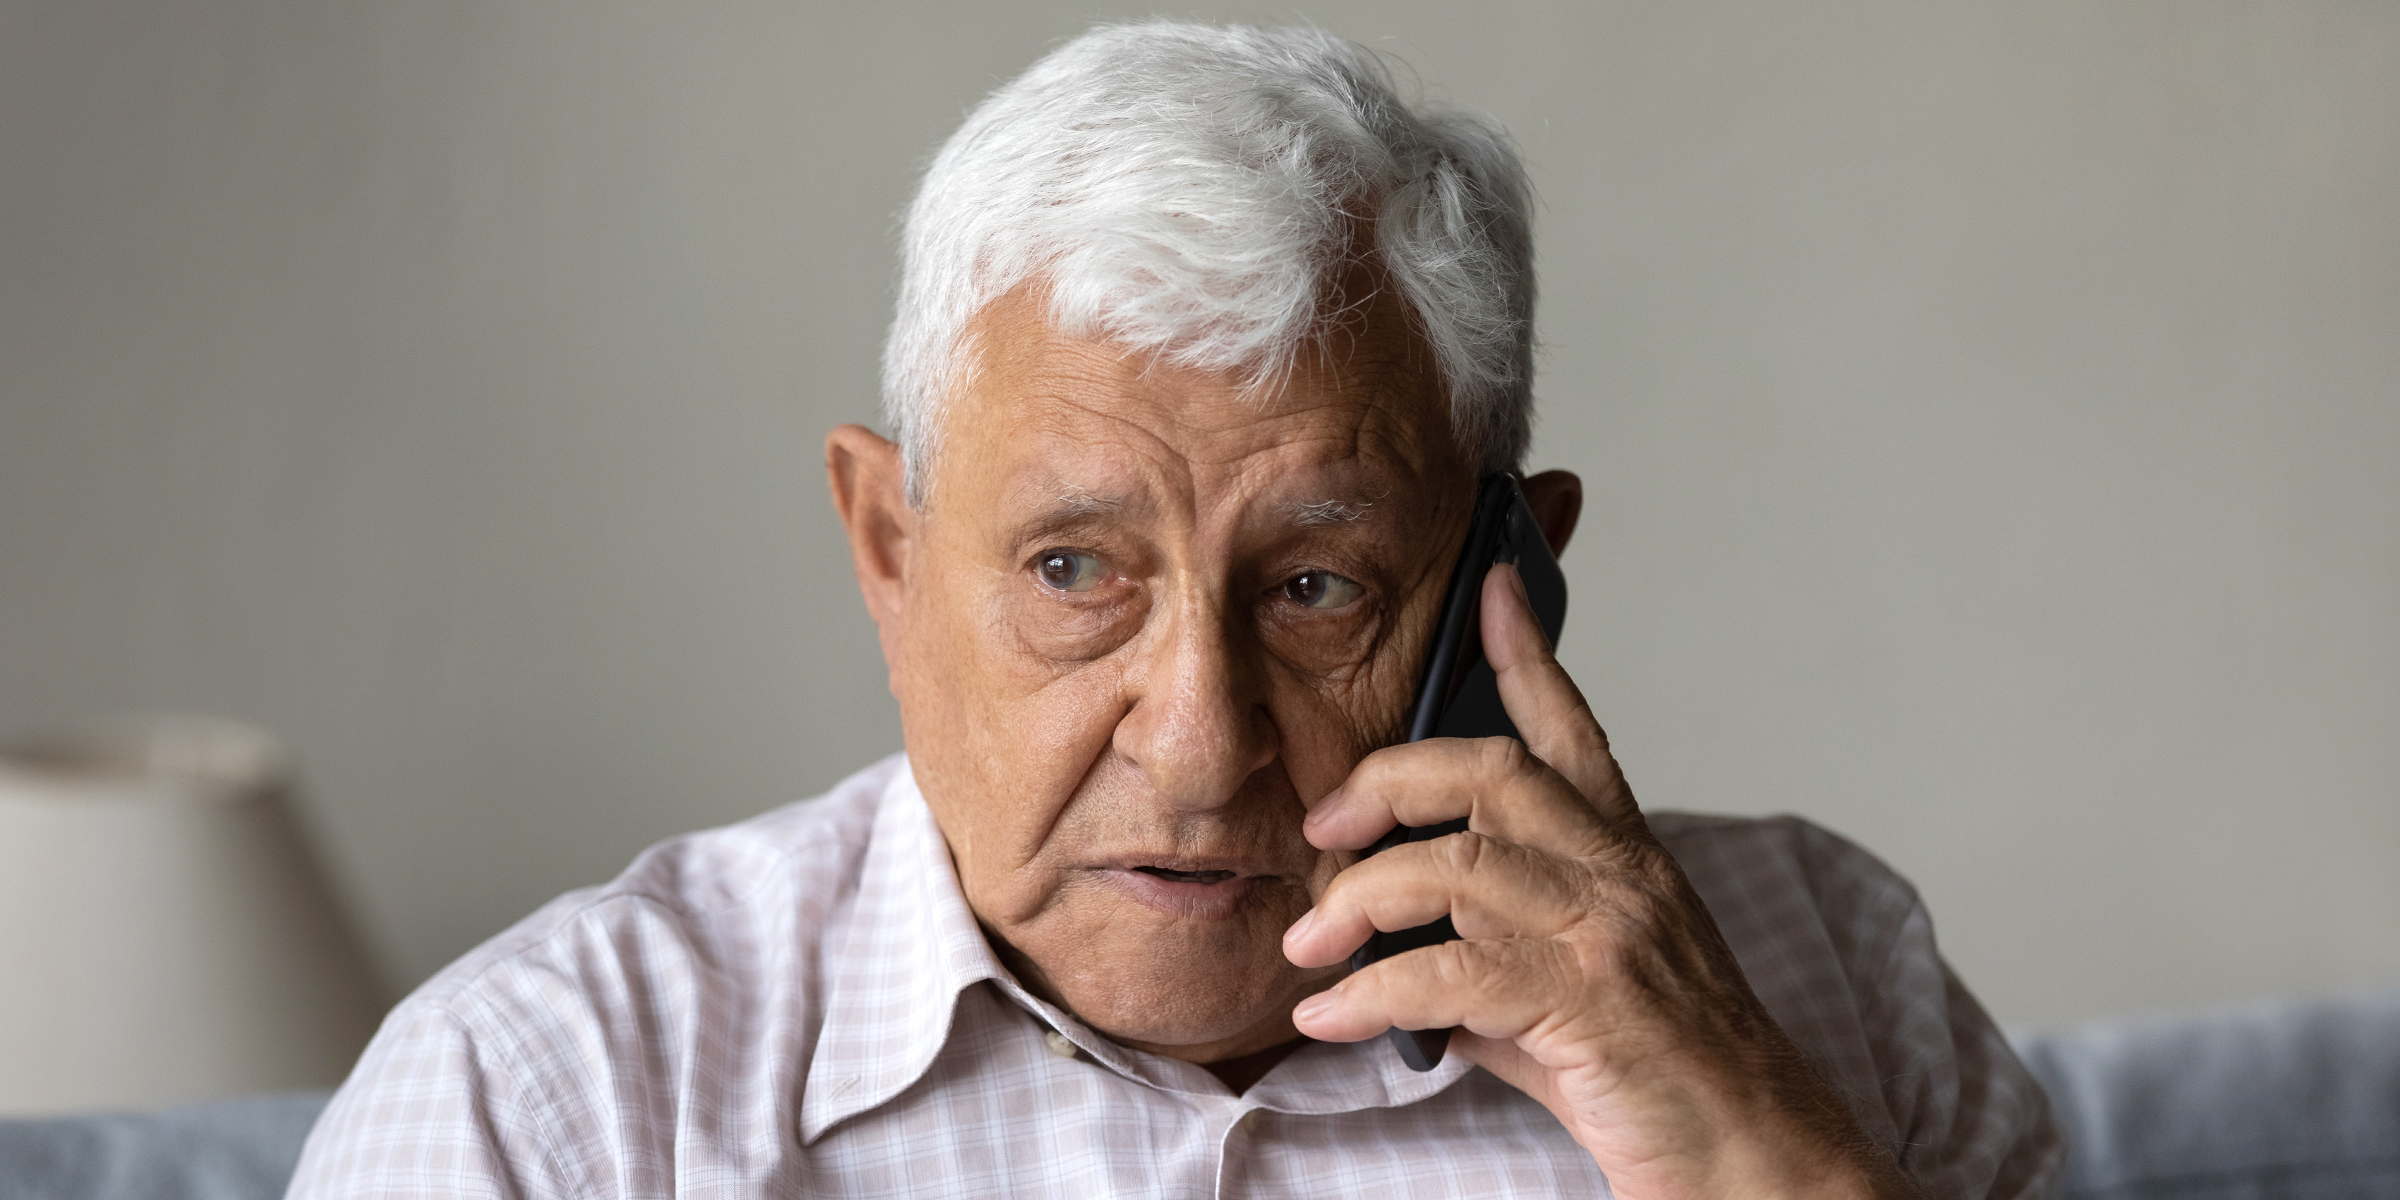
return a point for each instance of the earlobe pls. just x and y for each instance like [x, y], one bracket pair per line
[863, 470]
[1556, 498]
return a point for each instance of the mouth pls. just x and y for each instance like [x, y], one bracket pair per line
[1200, 890]
[1174, 876]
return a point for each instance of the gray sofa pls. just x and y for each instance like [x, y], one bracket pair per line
[2290, 1102]
[224, 1150]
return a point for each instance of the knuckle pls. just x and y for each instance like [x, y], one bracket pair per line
[1586, 736]
[1502, 757]
[1462, 967]
[1637, 903]
[1639, 875]
[1461, 854]
[1560, 960]
[1609, 953]
[1635, 929]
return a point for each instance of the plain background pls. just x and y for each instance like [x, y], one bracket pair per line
[1991, 415]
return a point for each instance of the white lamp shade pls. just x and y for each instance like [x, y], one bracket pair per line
[165, 932]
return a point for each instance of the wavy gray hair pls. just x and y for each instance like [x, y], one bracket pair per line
[1191, 190]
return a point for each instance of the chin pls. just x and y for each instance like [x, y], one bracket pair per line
[1156, 991]
[1170, 1017]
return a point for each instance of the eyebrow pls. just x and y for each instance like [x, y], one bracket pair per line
[1330, 512]
[1073, 502]
[1068, 508]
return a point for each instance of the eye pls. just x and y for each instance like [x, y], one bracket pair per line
[1322, 590]
[1069, 570]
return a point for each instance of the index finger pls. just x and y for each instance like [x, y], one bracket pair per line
[1503, 790]
[1547, 708]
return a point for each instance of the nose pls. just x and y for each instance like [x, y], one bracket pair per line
[1198, 724]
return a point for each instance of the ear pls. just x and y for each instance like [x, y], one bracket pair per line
[863, 469]
[1556, 498]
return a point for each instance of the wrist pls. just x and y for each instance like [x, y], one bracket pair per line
[1818, 1172]
[1760, 1134]
[1818, 1154]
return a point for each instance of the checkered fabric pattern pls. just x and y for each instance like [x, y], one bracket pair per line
[802, 1004]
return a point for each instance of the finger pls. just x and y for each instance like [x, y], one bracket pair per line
[1547, 708]
[1488, 889]
[1495, 783]
[1494, 988]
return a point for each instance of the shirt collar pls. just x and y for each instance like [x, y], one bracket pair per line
[912, 945]
[892, 982]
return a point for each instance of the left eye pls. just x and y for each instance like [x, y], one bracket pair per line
[1322, 590]
[1069, 570]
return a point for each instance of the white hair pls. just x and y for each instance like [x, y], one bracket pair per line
[1192, 191]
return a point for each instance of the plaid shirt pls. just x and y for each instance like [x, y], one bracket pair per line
[802, 1004]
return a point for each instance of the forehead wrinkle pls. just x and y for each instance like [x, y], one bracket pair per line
[1333, 474]
[1200, 418]
[1204, 419]
[1169, 439]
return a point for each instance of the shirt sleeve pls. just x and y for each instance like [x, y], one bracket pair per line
[1841, 951]
[1973, 1121]
[431, 1110]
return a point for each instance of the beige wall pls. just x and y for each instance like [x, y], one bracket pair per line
[1989, 409]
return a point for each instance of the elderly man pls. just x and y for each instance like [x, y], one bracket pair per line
[1204, 341]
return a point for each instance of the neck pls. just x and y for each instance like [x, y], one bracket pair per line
[1239, 1073]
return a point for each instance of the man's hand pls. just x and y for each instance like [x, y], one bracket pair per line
[1588, 974]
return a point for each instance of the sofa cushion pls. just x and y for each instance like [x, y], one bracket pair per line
[2295, 1101]
[222, 1150]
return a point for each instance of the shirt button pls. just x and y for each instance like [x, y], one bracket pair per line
[1250, 1121]
[1058, 1043]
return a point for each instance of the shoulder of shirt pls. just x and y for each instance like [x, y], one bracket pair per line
[1837, 872]
[702, 886]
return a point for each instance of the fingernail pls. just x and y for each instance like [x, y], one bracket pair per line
[1313, 1007]
[1300, 927]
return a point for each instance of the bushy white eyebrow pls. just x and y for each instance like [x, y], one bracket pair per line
[1080, 502]
[1330, 512]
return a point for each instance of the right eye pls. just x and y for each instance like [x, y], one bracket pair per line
[1322, 589]
[1069, 570]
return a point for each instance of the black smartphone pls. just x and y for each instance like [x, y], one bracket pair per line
[1458, 696]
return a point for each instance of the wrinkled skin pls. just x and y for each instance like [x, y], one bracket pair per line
[1153, 638]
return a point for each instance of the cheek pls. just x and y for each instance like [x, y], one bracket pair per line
[1051, 635]
[1328, 727]
[1331, 722]
[1000, 741]
[1043, 720]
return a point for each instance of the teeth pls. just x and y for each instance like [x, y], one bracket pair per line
[1187, 876]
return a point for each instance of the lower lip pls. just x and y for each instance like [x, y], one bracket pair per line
[1201, 901]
